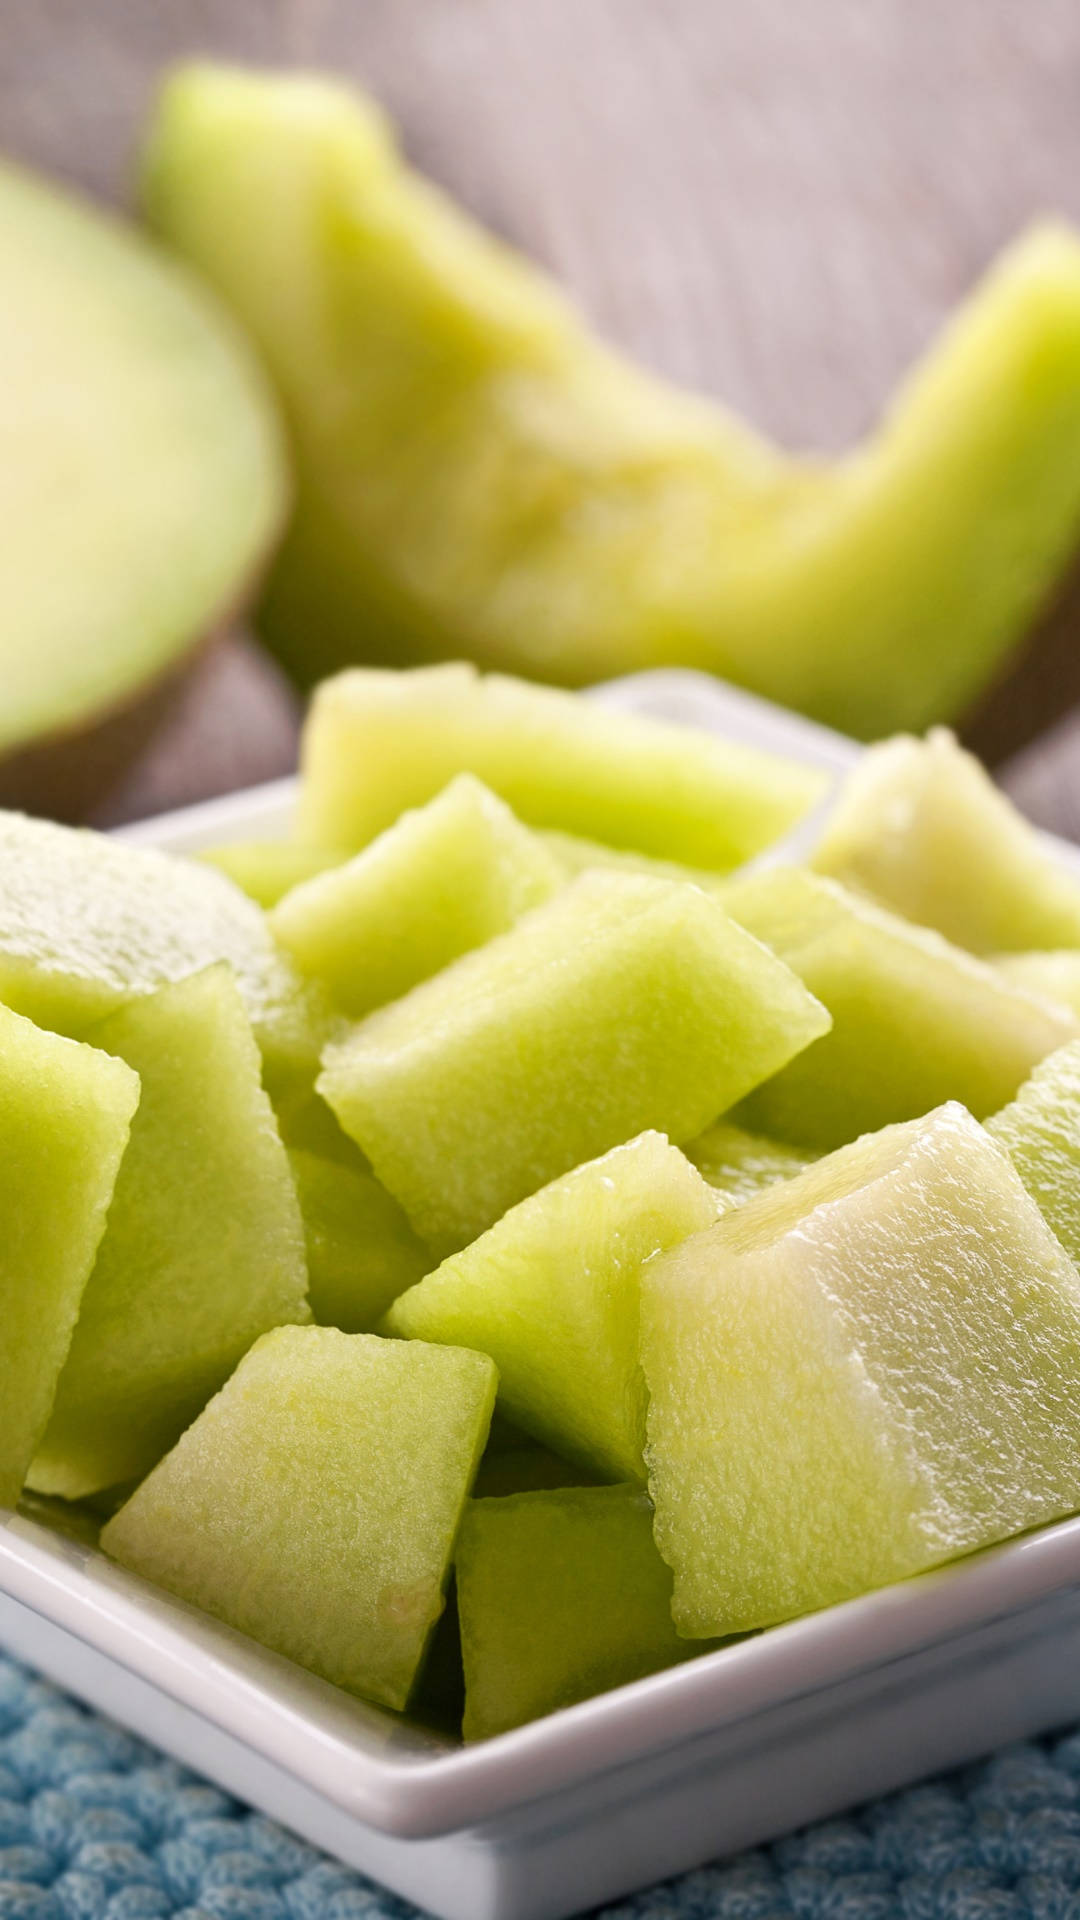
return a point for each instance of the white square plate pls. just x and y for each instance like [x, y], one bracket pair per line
[734, 1748]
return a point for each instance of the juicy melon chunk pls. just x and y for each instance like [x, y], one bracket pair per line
[281, 1510]
[379, 741]
[576, 855]
[561, 1595]
[65, 1115]
[551, 1293]
[266, 870]
[740, 1164]
[1055, 975]
[1040, 1132]
[443, 879]
[858, 1374]
[624, 1004]
[915, 1021]
[921, 827]
[203, 1250]
[361, 1250]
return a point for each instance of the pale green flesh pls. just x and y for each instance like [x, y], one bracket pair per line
[551, 1293]
[478, 477]
[561, 1595]
[624, 1004]
[1040, 1132]
[204, 1246]
[65, 1114]
[135, 425]
[860, 1373]
[266, 870]
[740, 1164]
[576, 855]
[443, 879]
[915, 1020]
[315, 1501]
[1056, 974]
[361, 1251]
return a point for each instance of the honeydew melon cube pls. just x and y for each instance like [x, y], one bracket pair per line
[1040, 1132]
[575, 855]
[551, 1293]
[921, 827]
[204, 1246]
[915, 1020]
[266, 870]
[361, 1250]
[858, 1374]
[561, 1595]
[377, 742]
[443, 879]
[65, 1116]
[314, 1503]
[1055, 974]
[740, 1164]
[625, 1003]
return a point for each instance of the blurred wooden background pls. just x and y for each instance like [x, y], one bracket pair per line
[773, 203]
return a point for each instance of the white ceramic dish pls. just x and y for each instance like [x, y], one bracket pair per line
[643, 1782]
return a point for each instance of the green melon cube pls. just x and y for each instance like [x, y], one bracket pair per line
[1054, 974]
[551, 1293]
[443, 879]
[740, 1164]
[860, 1373]
[65, 1117]
[576, 855]
[625, 1003]
[921, 827]
[266, 870]
[204, 1247]
[561, 1595]
[378, 741]
[314, 1503]
[1040, 1132]
[915, 1021]
[361, 1250]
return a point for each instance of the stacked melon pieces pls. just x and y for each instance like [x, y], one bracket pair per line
[742, 1195]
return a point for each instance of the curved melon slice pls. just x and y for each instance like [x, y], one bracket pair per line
[143, 476]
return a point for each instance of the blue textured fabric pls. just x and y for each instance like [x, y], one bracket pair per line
[94, 1825]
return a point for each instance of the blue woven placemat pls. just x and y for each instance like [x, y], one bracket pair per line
[94, 1825]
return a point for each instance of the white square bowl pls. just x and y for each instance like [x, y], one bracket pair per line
[733, 1748]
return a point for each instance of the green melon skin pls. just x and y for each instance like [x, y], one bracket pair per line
[1055, 975]
[266, 870]
[1040, 1132]
[443, 879]
[65, 1118]
[740, 1164]
[314, 1503]
[561, 1595]
[204, 1246]
[378, 742]
[624, 1004]
[921, 828]
[915, 1020]
[361, 1250]
[478, 476]
[87, 924]
[551, 1293]
[858, 1374]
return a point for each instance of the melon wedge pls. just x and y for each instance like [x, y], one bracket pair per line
[915, 1020]
[1040, 1132]
[65, 1115]
[624, 1004]
[204, 1247]
[361, 1250]
[740, 1164]
[281, 1509]
[858, 1374]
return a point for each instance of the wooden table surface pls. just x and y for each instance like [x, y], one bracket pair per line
[773, 203]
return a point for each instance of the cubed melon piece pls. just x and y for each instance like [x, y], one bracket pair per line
[361, 1250]
[204, 1247]
[561, 1595]
[314, 1503]
[551, 1293]
[1040, 1132]
[443, 879]
[266, 870]
[860, 1373]
[65, 1115]
[1054, 974]
[377, 742]
[625, 1003]
[740, 1164]
[921, 827]
[575, 855]
[915, 1020]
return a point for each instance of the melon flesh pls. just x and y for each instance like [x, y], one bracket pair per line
[314, 1503]
[443, 879]
[65, 1116]
[858, 1374]
[561, 1595]
[204, 1247]
[1055, 975]
[624, 1004]
[1040, 1132]
[378, 742]
[740, 1164]
[915, 1020]
[551, 1293]
[361, 1250]
[576, 854]
[266, 870]
[921, 827]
